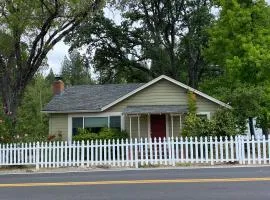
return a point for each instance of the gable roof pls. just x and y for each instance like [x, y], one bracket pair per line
[88, 98]
[172, 81]
[98, 98]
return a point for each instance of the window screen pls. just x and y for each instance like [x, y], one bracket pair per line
[115, 122]
[95, 122]
[77, 122]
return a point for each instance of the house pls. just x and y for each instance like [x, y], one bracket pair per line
[153, 109]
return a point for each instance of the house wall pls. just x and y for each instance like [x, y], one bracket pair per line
[58, 124]
[134, 126]
[176, 125]
[164, 93]
[161, 93]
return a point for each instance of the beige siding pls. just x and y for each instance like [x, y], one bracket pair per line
[204, 105]
[58, 124]
[160, 93]
[164, 93]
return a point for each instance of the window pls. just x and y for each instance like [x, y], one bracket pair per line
[115, 122]
[203, 115]
[94, 124]
[77, 122]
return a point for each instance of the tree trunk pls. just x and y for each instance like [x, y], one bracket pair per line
[11, 98]
[265, 132]
[251, 126]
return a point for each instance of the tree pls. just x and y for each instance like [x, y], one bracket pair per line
[31, 122]
[29, 30]
[155, 37]
[76, 70]
[239, 45]
[50, 77]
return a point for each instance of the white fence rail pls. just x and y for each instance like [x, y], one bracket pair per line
[135, 153]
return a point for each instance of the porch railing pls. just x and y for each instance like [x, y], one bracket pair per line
[138, 152]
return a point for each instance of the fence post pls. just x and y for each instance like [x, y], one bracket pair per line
[136, 153]
[211, 151]
[37, 156]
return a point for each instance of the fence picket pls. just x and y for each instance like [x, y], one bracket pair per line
[196, 150]
[136, 153]
[145, 146]
[264, 150]
[211, 151]
[92, 153]
[160, 151]
[191, 150]
[259, 150]
[127, 153]
[131, 152]
[155, 150]
[253, 150]
[231, 149]
[182, 150]
[268, 139]
[166, 151]
[186, 146]
[206, 149]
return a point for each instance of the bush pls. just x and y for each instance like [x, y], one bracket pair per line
[223, 123]
[112, 133]
[104, 134]
[195, 126]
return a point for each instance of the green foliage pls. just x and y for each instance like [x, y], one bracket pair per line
[31, 121]
[153, 38]
[104, 134]
[240, 41]
[223, 123]
[29, 30]
[76, 70]
[238, 50]
[32, 125]
[192, 107]
[111, 133]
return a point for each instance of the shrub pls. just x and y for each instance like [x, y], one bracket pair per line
[195, 126]
[223, 123]
[104, 134]
[112, 133]
[84, 134]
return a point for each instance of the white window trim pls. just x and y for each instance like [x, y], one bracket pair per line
[84, 115]
[204, 113]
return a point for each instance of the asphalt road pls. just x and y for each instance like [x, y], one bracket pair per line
[179, 184]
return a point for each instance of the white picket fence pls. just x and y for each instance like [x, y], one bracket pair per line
[136, 153]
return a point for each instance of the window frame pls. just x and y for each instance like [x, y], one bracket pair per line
[204, 113]
[108, 115]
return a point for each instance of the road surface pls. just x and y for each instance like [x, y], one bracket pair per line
[158, 184]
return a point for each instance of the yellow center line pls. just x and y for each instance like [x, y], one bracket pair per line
[85, 183]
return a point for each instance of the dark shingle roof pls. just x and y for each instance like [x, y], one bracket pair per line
[89, 97]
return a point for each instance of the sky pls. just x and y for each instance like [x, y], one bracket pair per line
[60, 50]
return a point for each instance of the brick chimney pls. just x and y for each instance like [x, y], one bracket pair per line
[58, 86]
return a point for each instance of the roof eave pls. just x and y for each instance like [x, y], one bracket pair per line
[69, 111]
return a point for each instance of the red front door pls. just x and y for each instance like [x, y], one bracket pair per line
[158, 126]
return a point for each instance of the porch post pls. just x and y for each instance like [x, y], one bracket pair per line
[180, 125]
[172, 124]
[139, 127]
[130, 127]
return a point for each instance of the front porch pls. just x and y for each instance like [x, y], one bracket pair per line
[154, 121]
